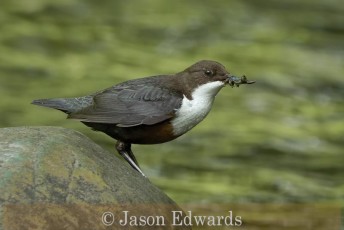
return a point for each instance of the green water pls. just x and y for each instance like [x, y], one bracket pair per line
[279, 140]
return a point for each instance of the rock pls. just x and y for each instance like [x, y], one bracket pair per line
[54, 178]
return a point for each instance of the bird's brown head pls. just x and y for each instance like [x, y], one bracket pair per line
[206, 71]
[209, 74]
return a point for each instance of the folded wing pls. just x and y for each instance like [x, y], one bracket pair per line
[131, 105]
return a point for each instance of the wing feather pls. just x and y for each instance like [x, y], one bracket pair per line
[131, 105]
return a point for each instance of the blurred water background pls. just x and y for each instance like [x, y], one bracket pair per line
[279, 140]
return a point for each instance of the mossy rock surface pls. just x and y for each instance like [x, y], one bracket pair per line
[58, 177]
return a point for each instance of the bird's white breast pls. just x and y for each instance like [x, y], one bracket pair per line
[195, 110]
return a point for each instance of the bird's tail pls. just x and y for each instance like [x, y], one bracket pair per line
[66, 105]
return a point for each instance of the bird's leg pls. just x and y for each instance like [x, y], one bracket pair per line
[125, 150]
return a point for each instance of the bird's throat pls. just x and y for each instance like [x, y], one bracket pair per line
[195, 110]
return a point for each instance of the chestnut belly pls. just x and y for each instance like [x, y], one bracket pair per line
[141, 134]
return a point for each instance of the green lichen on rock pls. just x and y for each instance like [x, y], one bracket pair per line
[59, 175]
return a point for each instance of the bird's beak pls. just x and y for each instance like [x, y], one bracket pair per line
[237, 81]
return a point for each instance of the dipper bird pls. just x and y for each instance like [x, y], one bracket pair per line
[149, 110]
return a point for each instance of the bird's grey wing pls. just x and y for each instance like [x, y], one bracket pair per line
[131, 105]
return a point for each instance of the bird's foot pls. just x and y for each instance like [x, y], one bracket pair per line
[124, 150]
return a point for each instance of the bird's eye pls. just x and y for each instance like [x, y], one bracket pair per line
[208, 72]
